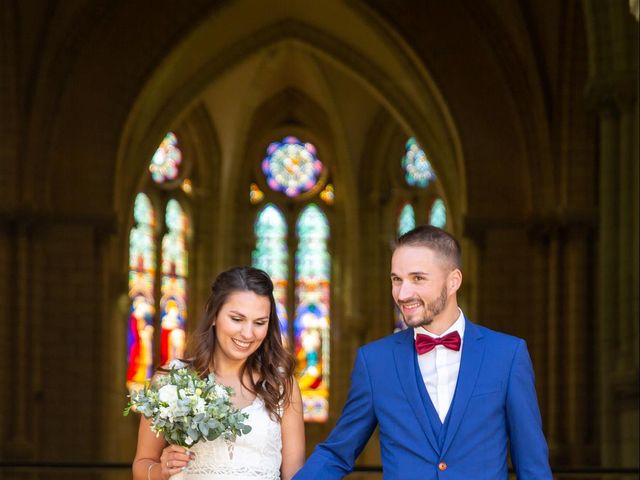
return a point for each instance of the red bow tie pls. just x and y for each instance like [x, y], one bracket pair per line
[426, 343]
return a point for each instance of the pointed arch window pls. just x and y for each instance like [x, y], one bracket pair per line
[173, 302]
[272, 256]
[438, 214]
[420, 184]
[311, 326]
[420, 200]
[406, 222]
[142, 264]
[158, 267]
[296, 182]
[406, 219]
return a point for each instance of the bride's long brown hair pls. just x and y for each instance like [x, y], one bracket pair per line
[270, 363]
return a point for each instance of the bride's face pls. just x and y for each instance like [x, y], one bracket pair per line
[241, 326]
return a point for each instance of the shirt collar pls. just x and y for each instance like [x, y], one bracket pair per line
[458, 326]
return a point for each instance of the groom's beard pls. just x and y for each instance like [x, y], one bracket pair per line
[431, 310]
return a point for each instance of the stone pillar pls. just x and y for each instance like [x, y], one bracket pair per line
[577, 324]
[21, 347]
[617, 315]
[52, 297]
[553, 310]
[5, 330]
[21, 266]
[562, 270]
[555, 373]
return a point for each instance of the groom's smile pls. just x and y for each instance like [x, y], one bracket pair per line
[419, 284]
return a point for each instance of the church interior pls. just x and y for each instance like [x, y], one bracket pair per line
[143, 150]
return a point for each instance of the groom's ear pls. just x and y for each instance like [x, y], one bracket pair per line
[455, 280]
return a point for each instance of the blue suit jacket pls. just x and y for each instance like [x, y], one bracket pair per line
[494, 408]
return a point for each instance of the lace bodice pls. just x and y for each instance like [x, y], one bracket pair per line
[255, 455]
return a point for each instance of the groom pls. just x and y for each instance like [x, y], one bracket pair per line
[450, 397]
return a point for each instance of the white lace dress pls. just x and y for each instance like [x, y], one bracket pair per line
[255, 455]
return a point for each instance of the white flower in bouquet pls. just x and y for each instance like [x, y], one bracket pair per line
[168, 394]
[187, 409]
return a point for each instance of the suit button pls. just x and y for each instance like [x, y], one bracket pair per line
[442, 466]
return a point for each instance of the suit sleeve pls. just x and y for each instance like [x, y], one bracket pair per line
[335, 457]
[529, 451]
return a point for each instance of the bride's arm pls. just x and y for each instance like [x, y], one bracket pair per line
[292, 424]
[152, 451]
[154, 459]
[147, 459]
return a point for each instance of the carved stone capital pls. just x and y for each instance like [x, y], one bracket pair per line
[35, 222]
[613, 94]
[539, 227]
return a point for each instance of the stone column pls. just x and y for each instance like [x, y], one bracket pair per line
[578, 323]
[21, 441]
[556, 368]
[617, 315]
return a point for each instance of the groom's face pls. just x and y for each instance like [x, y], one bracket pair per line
[419, 284]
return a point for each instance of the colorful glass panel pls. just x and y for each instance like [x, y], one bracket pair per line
[328, 195]
[406, 219]
[142, 261]
[418, 170]
[187, 186]
[272, 256]
[166, 160]
[173, 287]
[406, 222]
[255, 194]
[438, 214]
[291, 166]
[311, 324]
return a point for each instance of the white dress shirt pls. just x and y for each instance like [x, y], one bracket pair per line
[440, 367]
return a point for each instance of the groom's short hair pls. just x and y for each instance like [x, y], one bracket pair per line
[436, 239]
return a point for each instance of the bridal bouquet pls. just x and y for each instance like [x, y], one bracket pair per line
[187, 409]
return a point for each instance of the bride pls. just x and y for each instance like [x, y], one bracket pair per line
[239, 341]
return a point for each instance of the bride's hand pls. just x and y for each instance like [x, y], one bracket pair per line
[173, 459]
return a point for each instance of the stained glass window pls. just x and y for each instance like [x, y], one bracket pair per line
[438, 214]
[418, 170]
[406, 222]
[291, 166]
[173, 303]
[328, 195]
[272, 256]
[406, 219]
[158, 324]
[187, 186]
[142, 266]
[166, 160]
[255, 194]
[311, 324]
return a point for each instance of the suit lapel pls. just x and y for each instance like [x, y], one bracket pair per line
[406, 370]
[470, 362]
